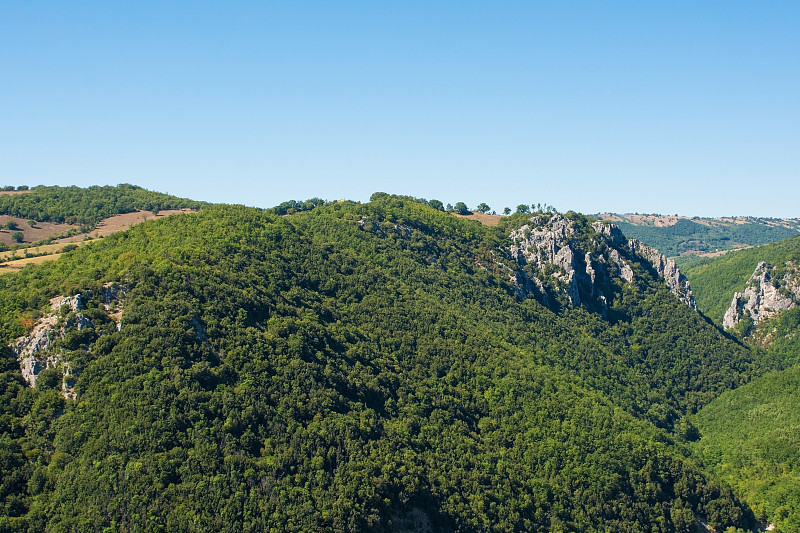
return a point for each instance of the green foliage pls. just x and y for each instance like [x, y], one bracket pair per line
[87, 206]
[349, 368]
[461, 208]
[483, 207]
[49, 378]
[687, 235]
[17, 236]
[436, 204]
[751, 438]
[11, 225]
[293, 206]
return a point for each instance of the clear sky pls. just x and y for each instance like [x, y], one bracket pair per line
[689, 107]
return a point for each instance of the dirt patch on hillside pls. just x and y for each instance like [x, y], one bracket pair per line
[40, 231]
[486, 220]
[37, 250]
[9, 193]
[122, 222]
[718, 253]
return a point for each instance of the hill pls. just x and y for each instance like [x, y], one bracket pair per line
[39, 222]
[87, 206]
[368, 367]
[689, 237]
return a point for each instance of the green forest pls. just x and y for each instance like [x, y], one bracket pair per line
[87, 206]
[687, 235]
[751, 435]
[360, 367]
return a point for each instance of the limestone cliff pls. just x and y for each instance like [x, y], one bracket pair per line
[42, 347]
[769, 291]
[577, 262]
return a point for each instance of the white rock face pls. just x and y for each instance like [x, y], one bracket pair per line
[35, 351]
[764, 296]
[549, 245]
[667, 270]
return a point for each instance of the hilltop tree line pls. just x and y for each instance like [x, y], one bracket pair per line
[461, 208]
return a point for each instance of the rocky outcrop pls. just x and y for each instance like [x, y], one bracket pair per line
[34, 351]
[667, 270]
[578, 264]
[768, 292]
[547, 243]
[39, 350]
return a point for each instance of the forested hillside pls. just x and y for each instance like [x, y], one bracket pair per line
[356, 367]
[87, 206]
[750, 435]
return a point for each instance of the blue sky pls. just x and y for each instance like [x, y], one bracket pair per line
[667, 107]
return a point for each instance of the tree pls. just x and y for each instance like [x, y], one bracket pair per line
[461, 208]
[11, 225]
[22, 188]
[436, 204]
[449, 207]
[506, 211]
[17, 236]
[483, 207]
[523, 208]
[32, 223]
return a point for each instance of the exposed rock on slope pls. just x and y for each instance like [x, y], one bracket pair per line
[667, 270]
[563, 261]
[768, 292]
[41, 348]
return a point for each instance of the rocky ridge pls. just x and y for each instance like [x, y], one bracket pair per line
[558, 260]
[769, 291]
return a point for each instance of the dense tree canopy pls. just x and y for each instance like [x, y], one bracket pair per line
[87, 206]
[354, 367]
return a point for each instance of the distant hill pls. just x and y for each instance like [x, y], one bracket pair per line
[87, 206]
[683, 236]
